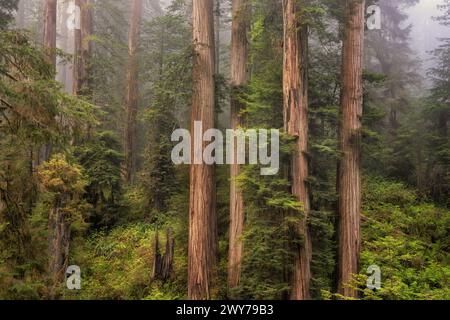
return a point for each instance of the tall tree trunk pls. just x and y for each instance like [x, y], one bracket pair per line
[218, 15]
[59, 241]
[65, 44]
[86, 46]
[20, 18]
[132, 95]
[50, 17]
[50, 12]
[82, 48]
[295, 88]
[202, 215]
[350, 146]
[239, 77]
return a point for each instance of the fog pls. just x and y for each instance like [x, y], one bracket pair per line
[425, 30]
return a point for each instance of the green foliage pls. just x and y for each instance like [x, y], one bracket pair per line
[267, 200]
[102, 160]
[267, 238]
[107, 65]
[409, 241]
[58, 177]
[437, 117]
[7, 7]
[118, 265]
[30, 101]
[62, 185]
[168, 90]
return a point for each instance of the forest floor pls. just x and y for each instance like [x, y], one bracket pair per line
[407, 238]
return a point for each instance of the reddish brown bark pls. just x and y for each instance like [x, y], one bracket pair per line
[295, 88]
[82, 48]
[349, 180]
[59, 242]
[163, 264]
[239, 77]
[56, 229]
[50, 17]
[217, 15]
[50, 12]
[64, 42]
[202, 216]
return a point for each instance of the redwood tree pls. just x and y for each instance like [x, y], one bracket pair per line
[50, 13]
[50, 16]
[295, 88]
[56, 256]
[202, 215]
[217, 16]
[82, 48]
[349, 178]
[239, 77]
[132, 94]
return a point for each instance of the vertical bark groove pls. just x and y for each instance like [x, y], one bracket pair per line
[239, 77]
[82, 48]
[50, 13]
[163, 264]
[59, 243]
[350, 147]
[295, 88]
[50, 17]
[202, 216]
[218, 15]
[57, 229]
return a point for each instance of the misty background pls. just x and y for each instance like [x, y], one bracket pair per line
[426, 32]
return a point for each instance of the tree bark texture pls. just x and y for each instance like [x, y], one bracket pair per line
[50, 17]
[82, 48]
[202, 215]
[64, 42]
[218, 15]
[295, 87]
[239, 78]
[350, 147]
[163, 264]
[50, 13]
[59, 241]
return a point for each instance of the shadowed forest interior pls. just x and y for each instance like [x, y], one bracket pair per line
[92, 91]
